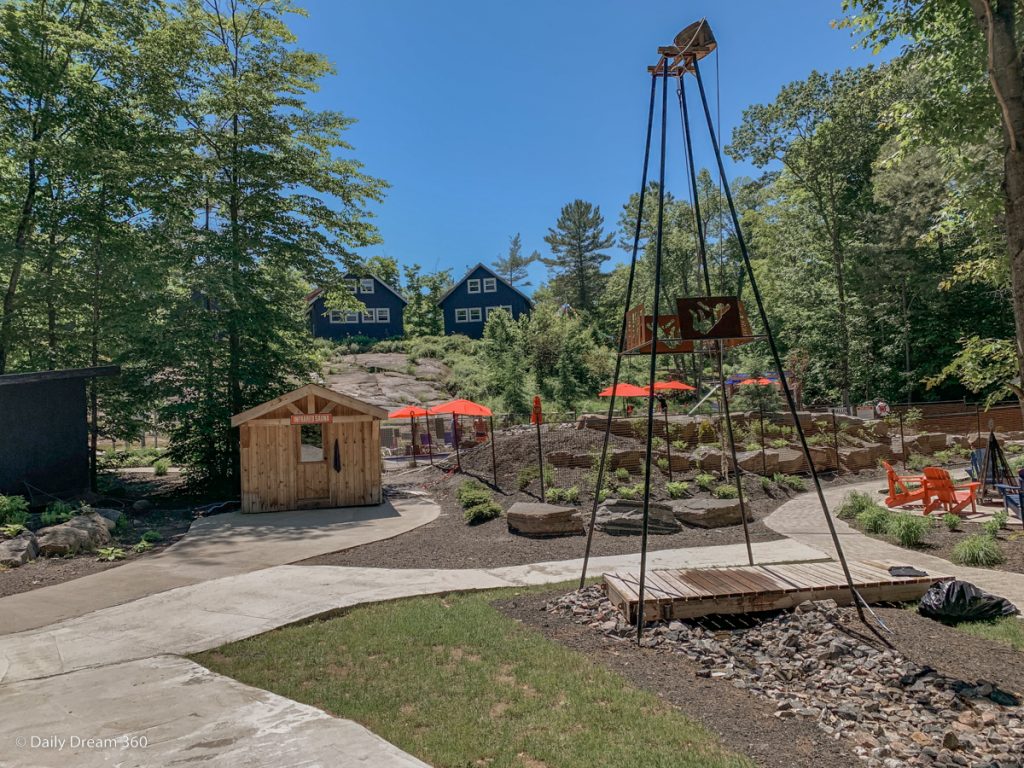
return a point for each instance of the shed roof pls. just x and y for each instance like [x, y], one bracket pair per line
[309, 389]
[489, 271]
[65, 373]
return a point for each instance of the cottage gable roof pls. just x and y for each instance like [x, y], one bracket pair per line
[317, 292]
[302, 392]
[490, 272]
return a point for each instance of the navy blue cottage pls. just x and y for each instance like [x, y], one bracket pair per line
[468, 303]
[381, 319]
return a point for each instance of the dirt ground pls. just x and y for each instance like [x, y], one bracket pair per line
[939, 541]
[745, 723]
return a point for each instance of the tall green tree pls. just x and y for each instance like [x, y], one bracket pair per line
[513, 265]
[577, 242]
[423, 290]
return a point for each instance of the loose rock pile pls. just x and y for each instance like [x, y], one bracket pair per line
[892, 711]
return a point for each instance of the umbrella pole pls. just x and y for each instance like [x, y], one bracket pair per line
[760, 413]
[668, 446]
[494, 459]
[430, 441]
[412, 426]
[455, 437]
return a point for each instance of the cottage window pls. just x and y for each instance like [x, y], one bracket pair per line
[351, 317]
[351, 285]
[383, 315]
[490, 285]
[461, 315]
[475, 315]
[368, 316]
[336, 316]
[311, 442]
[506, 307]
[366, 285]
[473, 286]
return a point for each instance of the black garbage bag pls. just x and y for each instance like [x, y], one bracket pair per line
[952, 602]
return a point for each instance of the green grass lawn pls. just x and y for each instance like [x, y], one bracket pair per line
[1008, 630]
[458, 684]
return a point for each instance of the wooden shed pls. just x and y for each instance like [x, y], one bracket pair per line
[311, 448]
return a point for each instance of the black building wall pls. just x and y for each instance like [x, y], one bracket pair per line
[44, 437]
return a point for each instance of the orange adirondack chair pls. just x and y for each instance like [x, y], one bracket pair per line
[945, 495]
[900, 492]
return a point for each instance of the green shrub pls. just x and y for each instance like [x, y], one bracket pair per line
[853, 504]
[704, 481]
[875, 520]
[480, 513]
[793, 482]
[725, 492]
[630, 491]
[109, 554]
[160, 467]
[123, 526]
[918, 461]
[472, 492]
[677, 490]
[680, 445]
[10, 530]
[563, 495]
[907, 529]
[951, 521]
[663, 464]
[142, 546]
[1002, 517]
[978, 550]
[622, 474]
[767, 485]
[13, 509]
[526, 476]
[779, 442]
[991, 528]
[152, 536]
[56, 512]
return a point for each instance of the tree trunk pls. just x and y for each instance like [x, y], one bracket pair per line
[997, 20]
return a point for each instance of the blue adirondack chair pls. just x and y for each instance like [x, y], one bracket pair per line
[1011, 499]
[977, 460]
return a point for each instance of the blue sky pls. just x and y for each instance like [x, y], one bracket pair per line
[487, 117]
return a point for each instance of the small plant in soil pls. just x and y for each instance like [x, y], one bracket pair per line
[110, 554]
[631, 491]
[123, 526]
[875, 520]
[151, 537]
[778, 442]
[951, 521]
[680, 446]
[10, 530]
[481, 513]
[704, 481]
[918, 461]
[1002, 517]
[563, 495]
[908, 530]
[663, 464]
[768, 485]
[56, 512]
[977, 550]
[725, 492]
[160, 467]
[477, 503]
[793, 482]
[13, 509]
[853, 504]
[991, 528]
[142, 546]
[526, 476]
[752, 446]
[622, 475]
[677, 490]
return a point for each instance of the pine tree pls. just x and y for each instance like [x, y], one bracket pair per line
[577, 241]
[513, 266]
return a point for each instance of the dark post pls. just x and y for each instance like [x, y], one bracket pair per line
[430, 442]
[494, 459]
[977, 415]
[903, 442]
[412, 426]
[540, 463]
[835, 442]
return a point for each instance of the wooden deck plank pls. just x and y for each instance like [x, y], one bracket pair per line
[693, 592]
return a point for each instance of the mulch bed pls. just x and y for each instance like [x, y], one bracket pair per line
[939, 541]
[745, 723]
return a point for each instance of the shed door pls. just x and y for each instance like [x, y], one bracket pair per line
[312, 485]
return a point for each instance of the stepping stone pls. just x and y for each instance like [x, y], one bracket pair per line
[535, 519]
[621, 517]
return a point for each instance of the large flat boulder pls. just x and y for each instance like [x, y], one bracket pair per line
[80, 533]
[582, 460]
[622, 517]
[19, 550]
[790, 460]
[535, 519]
[709, 513]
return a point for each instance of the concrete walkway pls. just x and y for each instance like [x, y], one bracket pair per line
[218, 546]
[108, 674]
[801, 520]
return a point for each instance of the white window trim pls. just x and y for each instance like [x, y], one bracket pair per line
[473, 286]
[335, 317]
[369, 316]
[506, 307]
[352, 285]
[366, 285]
[351, 318]
[461, 315]
[479, 314]
[490, 285]
[383, 315]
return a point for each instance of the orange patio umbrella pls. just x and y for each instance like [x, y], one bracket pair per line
[624, 389]
[462, 407]
[680, 386]
[760, 381]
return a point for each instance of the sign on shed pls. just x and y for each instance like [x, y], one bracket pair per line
[310, 448]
